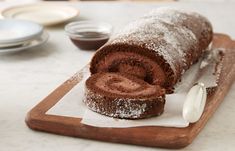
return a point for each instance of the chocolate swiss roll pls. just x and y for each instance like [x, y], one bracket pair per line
[123, 96]
[157, 47]
[130, 73]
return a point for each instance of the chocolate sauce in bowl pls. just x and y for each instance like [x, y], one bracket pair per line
[90, 40]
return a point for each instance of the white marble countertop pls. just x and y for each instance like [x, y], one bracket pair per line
[27, 77]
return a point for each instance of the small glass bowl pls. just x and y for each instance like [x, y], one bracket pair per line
[88, 35]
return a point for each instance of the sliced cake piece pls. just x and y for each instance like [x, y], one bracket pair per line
[123, 96]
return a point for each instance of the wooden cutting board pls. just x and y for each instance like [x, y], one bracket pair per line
[155, 136]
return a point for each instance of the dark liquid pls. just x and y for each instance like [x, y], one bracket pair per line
[90, 40]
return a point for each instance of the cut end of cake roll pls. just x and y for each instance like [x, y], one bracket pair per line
[123, 96]
[133, 60]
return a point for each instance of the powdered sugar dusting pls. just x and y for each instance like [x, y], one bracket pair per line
[164, 26]
[134, 110]
[125, 108]
[120, 107]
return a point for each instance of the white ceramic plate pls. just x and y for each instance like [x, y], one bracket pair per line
[42, 13]
[15, 44]
[18, 31]
[36, 42]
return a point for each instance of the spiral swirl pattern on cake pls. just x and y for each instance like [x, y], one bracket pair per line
[123, 96]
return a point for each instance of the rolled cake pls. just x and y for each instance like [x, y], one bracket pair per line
[130, 73]
[123, 96]
[157, 48]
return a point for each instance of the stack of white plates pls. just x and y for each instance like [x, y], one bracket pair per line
[18, 35]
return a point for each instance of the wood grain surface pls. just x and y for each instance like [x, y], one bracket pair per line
[154, 136]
